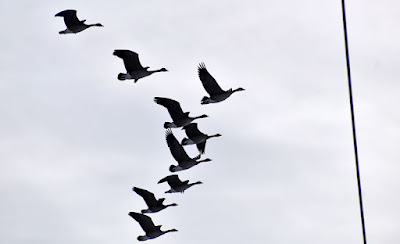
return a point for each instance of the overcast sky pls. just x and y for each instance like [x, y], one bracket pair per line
[74, 140]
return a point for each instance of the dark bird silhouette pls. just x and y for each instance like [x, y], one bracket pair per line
[74, 25]
[212, 87]
[179, 118]
[133, 67]
[179, 154]
[152, 203]
[176, 184]
[152, 231]
[196, 137]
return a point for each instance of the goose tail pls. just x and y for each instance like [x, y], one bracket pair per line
[205, 100]
[167, 125]
[121, 76]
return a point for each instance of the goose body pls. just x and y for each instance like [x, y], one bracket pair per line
[74, 25]
[152, 231]
[152, 203]
[216, 94]
[179, 154]
[176, 184]
[179, 118]
[134, 69]
[196, 137]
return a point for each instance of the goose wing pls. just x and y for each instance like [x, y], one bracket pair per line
[192, 130]
[201, 147]
[173, 180]
[173, 107]
[175, 147]
[145, 222]
[131, 59]
[70, 18]
[209, 83]
[147, 196]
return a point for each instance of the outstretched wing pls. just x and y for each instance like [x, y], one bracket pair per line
[175, 147]
[148, 197]
[201, 147]
[209, 83]
[192, 130]
[172, 180]
[70, 18]
[131, 59]
[174, 108]
[145, 222]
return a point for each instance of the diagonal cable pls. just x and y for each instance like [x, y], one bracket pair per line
[353, 122]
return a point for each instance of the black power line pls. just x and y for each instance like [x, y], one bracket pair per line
[353, 122]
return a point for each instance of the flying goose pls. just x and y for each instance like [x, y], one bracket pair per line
[153, 204]
[179, 154]
[152, 231]
[196, 137]
[179, 118]
[212, 88]
[176, 184]
[74, 25]
[133, 67]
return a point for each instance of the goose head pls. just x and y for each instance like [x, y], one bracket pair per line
[158, 70]
[216, 135]
[205, 160]
[171, 230]
[202, 116]
[196, 183]
[238, 89]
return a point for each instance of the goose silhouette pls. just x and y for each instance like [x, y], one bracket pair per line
[179, 118]
[212, 88]
[74, 25]
[133, 67]
[152, 231]
[152, 203]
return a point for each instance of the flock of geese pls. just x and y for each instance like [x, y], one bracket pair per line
[135, 71]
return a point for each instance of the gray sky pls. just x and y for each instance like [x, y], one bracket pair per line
[75, 140]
